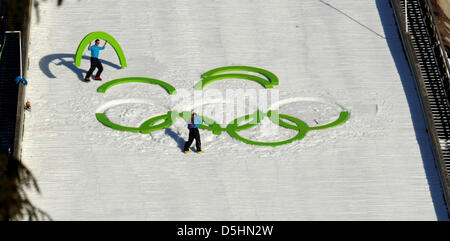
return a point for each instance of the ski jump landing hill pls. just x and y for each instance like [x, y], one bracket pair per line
[329, 57]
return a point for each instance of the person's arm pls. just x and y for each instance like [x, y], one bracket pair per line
[200, 120]
[89, 47]
[105, 43]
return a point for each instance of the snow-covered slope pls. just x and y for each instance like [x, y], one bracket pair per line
[375, 166]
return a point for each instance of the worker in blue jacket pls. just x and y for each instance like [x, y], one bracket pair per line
[193, 134]
[95, 62]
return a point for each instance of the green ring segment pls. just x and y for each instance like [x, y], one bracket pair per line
[343, 117]
[149, 125]
[145, 128]
[213, 75]
[301, 127]
[101, 117]
[269, 75]
[265, 83]
[100, 35]
[211, 125]
[257, 116]
[168, 87]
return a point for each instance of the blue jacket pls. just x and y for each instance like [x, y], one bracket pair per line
[95, 50]
[194, 122]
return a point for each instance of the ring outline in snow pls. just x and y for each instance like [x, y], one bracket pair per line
[213, 75]
[100, 35]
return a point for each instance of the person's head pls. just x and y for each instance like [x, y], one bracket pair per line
[97, 41]
[194, 114]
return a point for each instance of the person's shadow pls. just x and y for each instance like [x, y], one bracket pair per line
[177, 138]
[417, 115]
[68, 61]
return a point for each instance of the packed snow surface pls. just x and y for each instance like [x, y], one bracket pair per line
[373, 167]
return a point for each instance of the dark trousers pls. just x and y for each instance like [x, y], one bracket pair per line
[193, 134]
[95, 63]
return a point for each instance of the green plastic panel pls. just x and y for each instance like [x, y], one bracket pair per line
[343, 117]
[149, 125]
[168, 87]
[302, 129]
[101, 117]
[100, 35]
[269, 75]
[265, 83]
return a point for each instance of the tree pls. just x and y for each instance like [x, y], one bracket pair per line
[18, 12]
[443, 22]
[15, 178]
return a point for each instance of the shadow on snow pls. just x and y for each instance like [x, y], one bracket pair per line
[68, 61]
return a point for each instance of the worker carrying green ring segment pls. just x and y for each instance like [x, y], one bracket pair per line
[194, 133]
[95, 62]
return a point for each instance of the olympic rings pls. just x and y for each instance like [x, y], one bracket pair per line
[209, 124]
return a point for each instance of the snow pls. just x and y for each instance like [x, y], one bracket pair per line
[376, 166]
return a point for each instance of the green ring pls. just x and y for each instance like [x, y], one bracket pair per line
[144, 128]
[168, 87]
[301, 128]
[213, 75]
[212, 125]
[148, 126]
[100, 35]
[265, 83]
[343, 117]
[101, 117]
[269, 75]
[234, 125]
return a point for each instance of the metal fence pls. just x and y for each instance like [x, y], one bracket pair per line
[427, 58]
